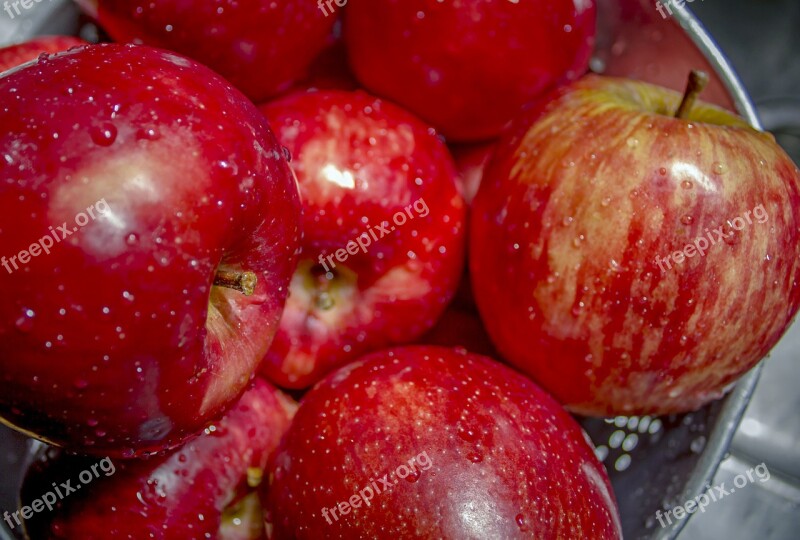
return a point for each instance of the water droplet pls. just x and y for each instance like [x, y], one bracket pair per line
[474, 457]
[91, 422]
[468, 434]
[25, 321]
[687, 220]
[80, 384]
[606, 201]
[104, 135]
[719, 168]
[686, 184]
[662, 171]
[148, 134]
[520, 519]
[632, 142]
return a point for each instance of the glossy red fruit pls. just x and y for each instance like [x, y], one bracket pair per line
[131, 179]
[573, 240]
[189, 493]
[261, 46]
[384, 231]
[468, 66]
[427, 442]
[19, 53]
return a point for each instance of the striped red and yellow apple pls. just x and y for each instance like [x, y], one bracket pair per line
[573, 221]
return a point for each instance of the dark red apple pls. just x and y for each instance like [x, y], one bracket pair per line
[630, 261]
[428, 442]
[134, 180]
[182, 495]
[261, 46]
[19, 53]
[384, 231]
[468, 66]
[460, 328]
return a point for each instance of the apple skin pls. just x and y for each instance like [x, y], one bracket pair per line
[19, 53]
[381, 296]
[119, 330]
[501, 458]
[460, 328]
[260, 46]
[573, 212]
[164, 496]
[468, 66]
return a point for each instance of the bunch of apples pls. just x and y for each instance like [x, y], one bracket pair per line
[271, 328]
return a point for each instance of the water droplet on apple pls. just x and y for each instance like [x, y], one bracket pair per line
[25, 321]
[686, 184]
[687, 220]
[80, 384]
[91, 422]
[104, 135]
[719, 168]
[662, 171]
[606, 201]
[520, 519]
[632, 142]
[474, 457]
[148, 134]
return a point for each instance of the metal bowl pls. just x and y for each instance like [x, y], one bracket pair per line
[654, 463]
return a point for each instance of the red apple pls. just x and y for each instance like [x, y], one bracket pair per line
[575, 237]
[19, 53]
[468, 66]
[182, 495]
[134, 180]
[384, 231]
[428, 442]
[261, 46]
[460, 328]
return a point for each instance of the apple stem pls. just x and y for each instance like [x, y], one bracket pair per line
[244, 282]
[697, 83]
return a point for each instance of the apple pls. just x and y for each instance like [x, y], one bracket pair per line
[467, 67]
[19, 53]
[460, 328]
[631, 261]
[140, 191]
[429, 442]
[184, 494]
[384, 231]
[260, 46]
